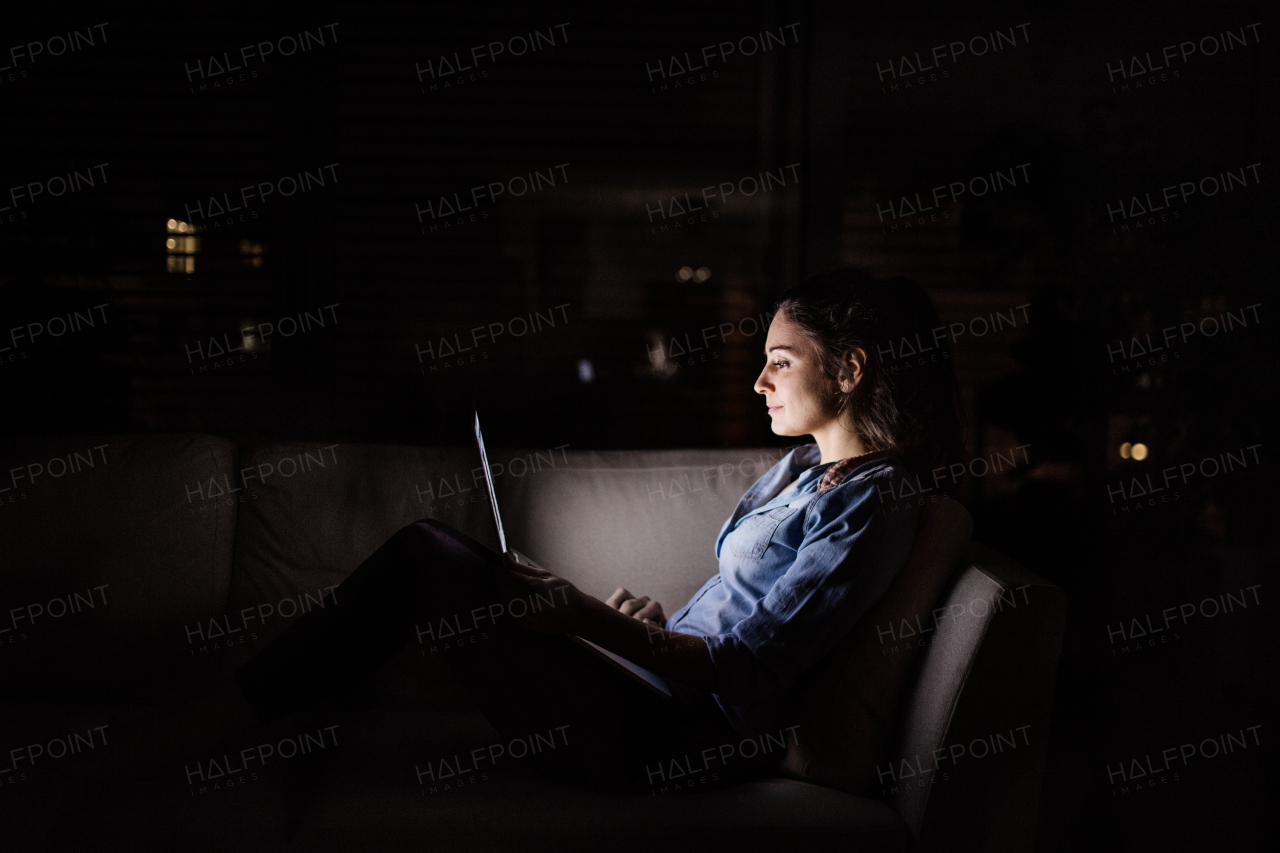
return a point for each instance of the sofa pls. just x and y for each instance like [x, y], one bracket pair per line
[134, 567]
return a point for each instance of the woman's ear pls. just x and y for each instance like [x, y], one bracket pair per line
[855, 364]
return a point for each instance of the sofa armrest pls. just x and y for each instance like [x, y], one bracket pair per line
[967, 769]
[847, 706]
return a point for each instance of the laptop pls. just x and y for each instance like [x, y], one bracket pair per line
[655, 683]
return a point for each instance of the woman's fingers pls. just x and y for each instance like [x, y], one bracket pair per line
[641, 608]
[651, 612]
[631, 607]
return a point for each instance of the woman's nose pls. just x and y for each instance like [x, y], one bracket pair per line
[763, 385]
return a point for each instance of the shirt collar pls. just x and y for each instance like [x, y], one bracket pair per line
[803, 465]
[840, 469]
[806, 456]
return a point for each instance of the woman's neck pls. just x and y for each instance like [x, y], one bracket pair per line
[837, 441]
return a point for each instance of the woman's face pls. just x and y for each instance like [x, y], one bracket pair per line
[799, 394]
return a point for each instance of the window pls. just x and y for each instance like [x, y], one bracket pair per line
[182, 246]
[251, 253]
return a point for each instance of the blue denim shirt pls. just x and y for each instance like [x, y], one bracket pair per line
[797, 569]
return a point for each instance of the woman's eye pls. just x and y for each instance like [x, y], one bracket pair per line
[781, 364]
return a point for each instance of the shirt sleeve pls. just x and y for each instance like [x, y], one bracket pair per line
[849, 555]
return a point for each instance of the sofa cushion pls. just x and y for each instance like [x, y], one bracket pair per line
[50, 802]
[150, 814]
[500, 812]
[848, 704]
[315, 511]
[643, 520]
[110, 544]
[646, 520]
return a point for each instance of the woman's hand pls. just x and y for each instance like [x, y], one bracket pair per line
[649, 612]
[538, 600]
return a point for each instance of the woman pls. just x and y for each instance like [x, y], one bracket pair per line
[810, 547]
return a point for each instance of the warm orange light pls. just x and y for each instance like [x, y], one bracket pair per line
[1125, 450]
[1139, 452]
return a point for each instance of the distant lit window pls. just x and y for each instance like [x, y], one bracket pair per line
[251, 253]
[586, 370]
[1137, 452]
[254, 335]
[661, 366]
[699, 275]
[182, 246]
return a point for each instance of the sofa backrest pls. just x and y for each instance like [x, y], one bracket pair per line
[314, 511]
[646, 520]
[108, 546]
[967, 768]
[643, 520]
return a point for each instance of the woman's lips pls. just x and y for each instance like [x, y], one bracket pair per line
[773, 409]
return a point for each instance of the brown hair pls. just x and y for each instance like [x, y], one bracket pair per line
[899, 405]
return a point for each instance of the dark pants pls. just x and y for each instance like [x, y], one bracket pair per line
[432, 584]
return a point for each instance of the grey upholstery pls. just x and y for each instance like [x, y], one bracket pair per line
[133, 541]
[983, 695]
[646, 520]
[526, 814]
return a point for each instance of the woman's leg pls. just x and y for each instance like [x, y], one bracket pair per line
[433, 585]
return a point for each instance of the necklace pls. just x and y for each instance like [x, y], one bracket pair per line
[839, 469]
